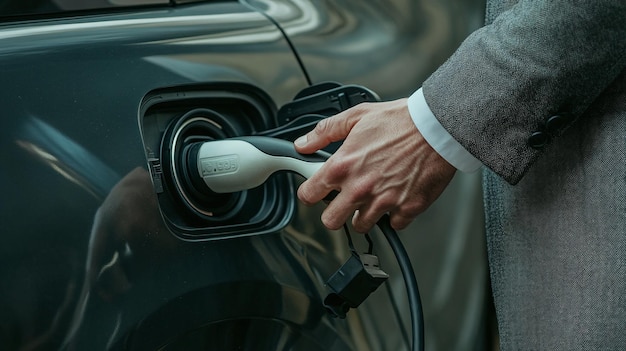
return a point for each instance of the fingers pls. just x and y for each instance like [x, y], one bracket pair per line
[364, 220]
[399, 222]
[366, 217]
[338, 211]
[314, 190]
[368, 214]
[325, 132]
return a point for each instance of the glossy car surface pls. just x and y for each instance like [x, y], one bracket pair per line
[93, 255]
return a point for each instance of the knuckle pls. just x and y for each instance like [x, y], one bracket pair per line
[366, 219]
[305, 195]
[362, 225]
[413, 208]
[336, 169]
[387, 202]
[361, 108]
[382, 204]
[358, 194]
[403, 215]
[323, 127]
[331, 221]
[399, 223]
[363, 187]
[339, 174]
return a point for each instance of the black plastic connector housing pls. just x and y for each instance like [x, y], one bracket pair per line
[353, 283]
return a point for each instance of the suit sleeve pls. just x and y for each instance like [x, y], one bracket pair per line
[517, 83]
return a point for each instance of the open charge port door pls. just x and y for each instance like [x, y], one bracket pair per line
[173, 118]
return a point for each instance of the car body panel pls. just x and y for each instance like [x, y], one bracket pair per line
[71, 145]
[392, 46]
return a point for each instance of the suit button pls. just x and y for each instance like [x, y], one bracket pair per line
[556, 123]
[538, 140]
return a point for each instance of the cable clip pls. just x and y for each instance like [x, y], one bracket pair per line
[354, 281]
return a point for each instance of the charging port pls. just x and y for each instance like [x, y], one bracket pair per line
[197, 126]
[172, 121]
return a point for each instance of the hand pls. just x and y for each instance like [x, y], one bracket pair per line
[383, 166]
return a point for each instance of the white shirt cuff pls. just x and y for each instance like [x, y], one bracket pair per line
[439, 138]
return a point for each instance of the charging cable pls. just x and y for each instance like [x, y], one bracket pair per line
[412, 290]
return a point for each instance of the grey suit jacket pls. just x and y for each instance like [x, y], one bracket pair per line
[539, 96]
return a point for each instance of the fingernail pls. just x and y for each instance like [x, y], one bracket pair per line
[301, 141]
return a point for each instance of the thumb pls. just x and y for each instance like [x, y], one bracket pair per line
[325, 132]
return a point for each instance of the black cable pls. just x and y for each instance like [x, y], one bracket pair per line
[369, 242]
[415, 302]
[349, 238]
[394, 304]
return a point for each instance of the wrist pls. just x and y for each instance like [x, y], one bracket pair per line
[438, 137]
